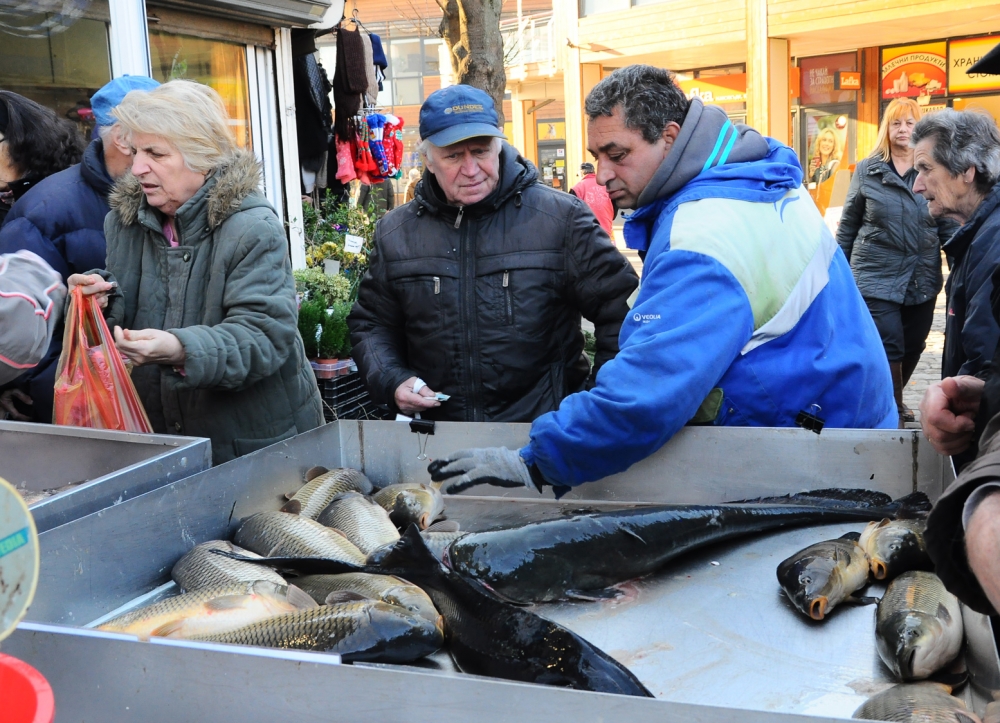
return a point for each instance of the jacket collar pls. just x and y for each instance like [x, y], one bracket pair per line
[93, 170]
[958, 244]
[223, 194]
[516, 174]
[889, 175]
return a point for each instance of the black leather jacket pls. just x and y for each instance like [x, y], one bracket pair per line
[484, 302]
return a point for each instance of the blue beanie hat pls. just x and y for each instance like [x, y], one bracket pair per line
[107, 98]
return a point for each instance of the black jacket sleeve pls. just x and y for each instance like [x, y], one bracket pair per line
[601, 281]
[376, 324]
[852, 216]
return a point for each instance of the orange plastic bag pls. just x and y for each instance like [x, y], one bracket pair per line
[93, 388]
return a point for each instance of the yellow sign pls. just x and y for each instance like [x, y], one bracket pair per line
[962, 54]
[912, 71]
[717, 88]
[551, 131]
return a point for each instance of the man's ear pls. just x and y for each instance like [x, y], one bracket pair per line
[671, 132]
[970, 174]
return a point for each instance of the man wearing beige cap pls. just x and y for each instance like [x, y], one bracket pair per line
[32, 297]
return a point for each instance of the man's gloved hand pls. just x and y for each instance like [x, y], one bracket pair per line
[487, 465]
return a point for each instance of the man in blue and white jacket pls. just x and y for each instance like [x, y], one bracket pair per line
[747, 313]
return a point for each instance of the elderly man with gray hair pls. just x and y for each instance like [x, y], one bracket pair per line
[472, 304]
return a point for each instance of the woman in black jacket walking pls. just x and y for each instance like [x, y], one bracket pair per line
[894, 245]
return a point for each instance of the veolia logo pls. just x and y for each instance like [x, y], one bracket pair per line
[644, 318]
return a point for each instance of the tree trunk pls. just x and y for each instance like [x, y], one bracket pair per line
[471, 31]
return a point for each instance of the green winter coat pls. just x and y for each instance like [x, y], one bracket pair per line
[227, 293]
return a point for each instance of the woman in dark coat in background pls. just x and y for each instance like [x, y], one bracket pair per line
[34, 144]
[894, 245]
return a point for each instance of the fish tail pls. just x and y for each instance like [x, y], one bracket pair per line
[915, 505]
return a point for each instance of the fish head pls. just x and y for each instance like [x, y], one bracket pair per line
[415, 601]
[917, 644]
[894, 549]
[809, 583]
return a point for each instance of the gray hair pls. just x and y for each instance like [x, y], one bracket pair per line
[963, 140]
[188, 115]
[648, 96]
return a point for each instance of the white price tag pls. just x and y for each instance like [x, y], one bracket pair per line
[353, 244]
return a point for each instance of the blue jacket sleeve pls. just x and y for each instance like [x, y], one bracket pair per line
[20, 233]
[689, 323]
[980, 332]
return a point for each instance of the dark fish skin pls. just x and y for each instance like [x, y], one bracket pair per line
[365, 630]
[916, 703]
[547, 560]
[823, 575]
[488, 636]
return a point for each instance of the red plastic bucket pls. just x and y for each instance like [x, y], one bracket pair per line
[25, 696]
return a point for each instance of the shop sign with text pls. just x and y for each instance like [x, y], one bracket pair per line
[819, 78]
[911, 71]
[962, 55]
[717, 88]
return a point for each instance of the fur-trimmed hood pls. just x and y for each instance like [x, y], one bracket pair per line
[228, 187]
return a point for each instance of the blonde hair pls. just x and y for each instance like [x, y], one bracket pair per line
[837, 149]
[897, 109]
[188, 115]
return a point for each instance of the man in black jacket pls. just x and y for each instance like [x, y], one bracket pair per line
[476, 290]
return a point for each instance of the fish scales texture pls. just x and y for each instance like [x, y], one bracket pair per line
[361, 519]
[201, 568]
[818, 578]
[387, 588]
[488, 636]
[543, 561]
[918, 625]
[206, 610]
[317, 494]
[282, 534]
[916, 703]
[411, 502]
[359, 631]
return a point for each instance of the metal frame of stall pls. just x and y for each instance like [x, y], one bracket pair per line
[109, 559]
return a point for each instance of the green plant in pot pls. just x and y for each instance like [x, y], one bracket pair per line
[334, 341]
[312, 315]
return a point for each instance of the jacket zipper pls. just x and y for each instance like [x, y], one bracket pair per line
[507, 297]
[437, 285]
[458, 218]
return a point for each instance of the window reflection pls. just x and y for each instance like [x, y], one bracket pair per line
[216, 63]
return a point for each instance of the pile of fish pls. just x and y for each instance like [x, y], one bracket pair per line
[351, 583]
[918, 623]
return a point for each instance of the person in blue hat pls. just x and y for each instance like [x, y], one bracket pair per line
[61, 219]
[472, 304]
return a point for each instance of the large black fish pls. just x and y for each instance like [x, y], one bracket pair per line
[487, 635]
[583, 555]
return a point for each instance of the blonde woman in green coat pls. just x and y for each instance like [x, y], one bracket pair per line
[205, 301]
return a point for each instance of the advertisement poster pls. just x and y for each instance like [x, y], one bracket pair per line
[826, 141]
[717, 89]
[962, 55]
[551, 130]
[818, 75]
[910, 71]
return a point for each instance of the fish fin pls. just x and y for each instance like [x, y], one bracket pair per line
[226, 602]
[954, 680]
[855, 536]
[445, 526]
[608, 593]
[293, 507]
[861, 599]
[632, 533]
[314, 472]
[854, 497]
[962, 717]
[913, 506]
[168, 629]
[344, 596]
[300, 598]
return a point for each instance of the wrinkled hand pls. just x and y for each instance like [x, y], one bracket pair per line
[497, 466]
[7, 408]
[411, 402]
[150, 346]
[948, 413]
[91, 285]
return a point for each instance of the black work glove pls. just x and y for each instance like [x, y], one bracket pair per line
[497, 466]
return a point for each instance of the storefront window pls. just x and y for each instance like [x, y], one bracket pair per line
[57, 59]
[216, 63]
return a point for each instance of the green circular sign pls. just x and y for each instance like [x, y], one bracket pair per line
[18, 558]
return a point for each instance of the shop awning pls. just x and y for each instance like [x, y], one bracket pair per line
[273, 12]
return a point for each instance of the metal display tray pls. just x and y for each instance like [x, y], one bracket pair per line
[104, 468]
[712, 641]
